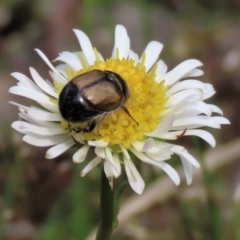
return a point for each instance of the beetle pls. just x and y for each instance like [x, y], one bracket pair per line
[92, 95]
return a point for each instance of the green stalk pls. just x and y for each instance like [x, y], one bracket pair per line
[106, 210]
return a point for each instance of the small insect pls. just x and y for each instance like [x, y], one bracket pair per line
[91, 96]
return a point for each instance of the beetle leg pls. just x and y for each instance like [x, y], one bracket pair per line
[70, 130]
[75, 129]
[78, 130]
[91, 125]
[128, 113]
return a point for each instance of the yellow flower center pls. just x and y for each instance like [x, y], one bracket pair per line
[145, 103]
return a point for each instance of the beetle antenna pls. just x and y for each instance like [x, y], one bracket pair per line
[128, 113]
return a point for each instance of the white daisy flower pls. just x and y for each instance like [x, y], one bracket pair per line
[160, 106]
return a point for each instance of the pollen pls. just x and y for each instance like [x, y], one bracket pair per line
[145, 103]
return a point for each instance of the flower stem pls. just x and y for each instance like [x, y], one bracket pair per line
[106, 210]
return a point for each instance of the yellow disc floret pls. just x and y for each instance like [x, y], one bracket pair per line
[145, 103]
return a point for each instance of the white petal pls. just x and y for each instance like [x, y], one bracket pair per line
[27, 128]
[42, 83]
[100, 152]
[122, 43]
[98, 55]
[109, 158]
[178, 105]
[83, 59]
[117, 165]
[187, 84]
[81, 154]
[41, 141]
[162, 145]
[193, 108]
[149, 143]
[133, 56]
[45, 59]
[59, 149]
[125, 152]
[179, 96]
[220, 120]
[55, 77]
[98, 143]
[36, 96]
[152, 52]
[61, 68]
[108, 154]
[108, 170]
[90, 166]
[195, 121]
[161, 70]
[144, 157]
[138, 145]
[27, 82]
[36, 121]
[135, 180]
[215, 109]
[179, 71]
[40, 114]
[195, 132]
[163, 127]
[160, 156]
[208, 91]
[193, 73]
[23, 115]
[157, 148]
[19, 105]
[22, 78]
[70, 59]
[185, 155]
[86, 46]
[187, 166]
[167, 168]
[190, 113]
[170, 172]
[158, 163]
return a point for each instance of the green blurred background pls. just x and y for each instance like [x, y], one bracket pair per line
[47, 199]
